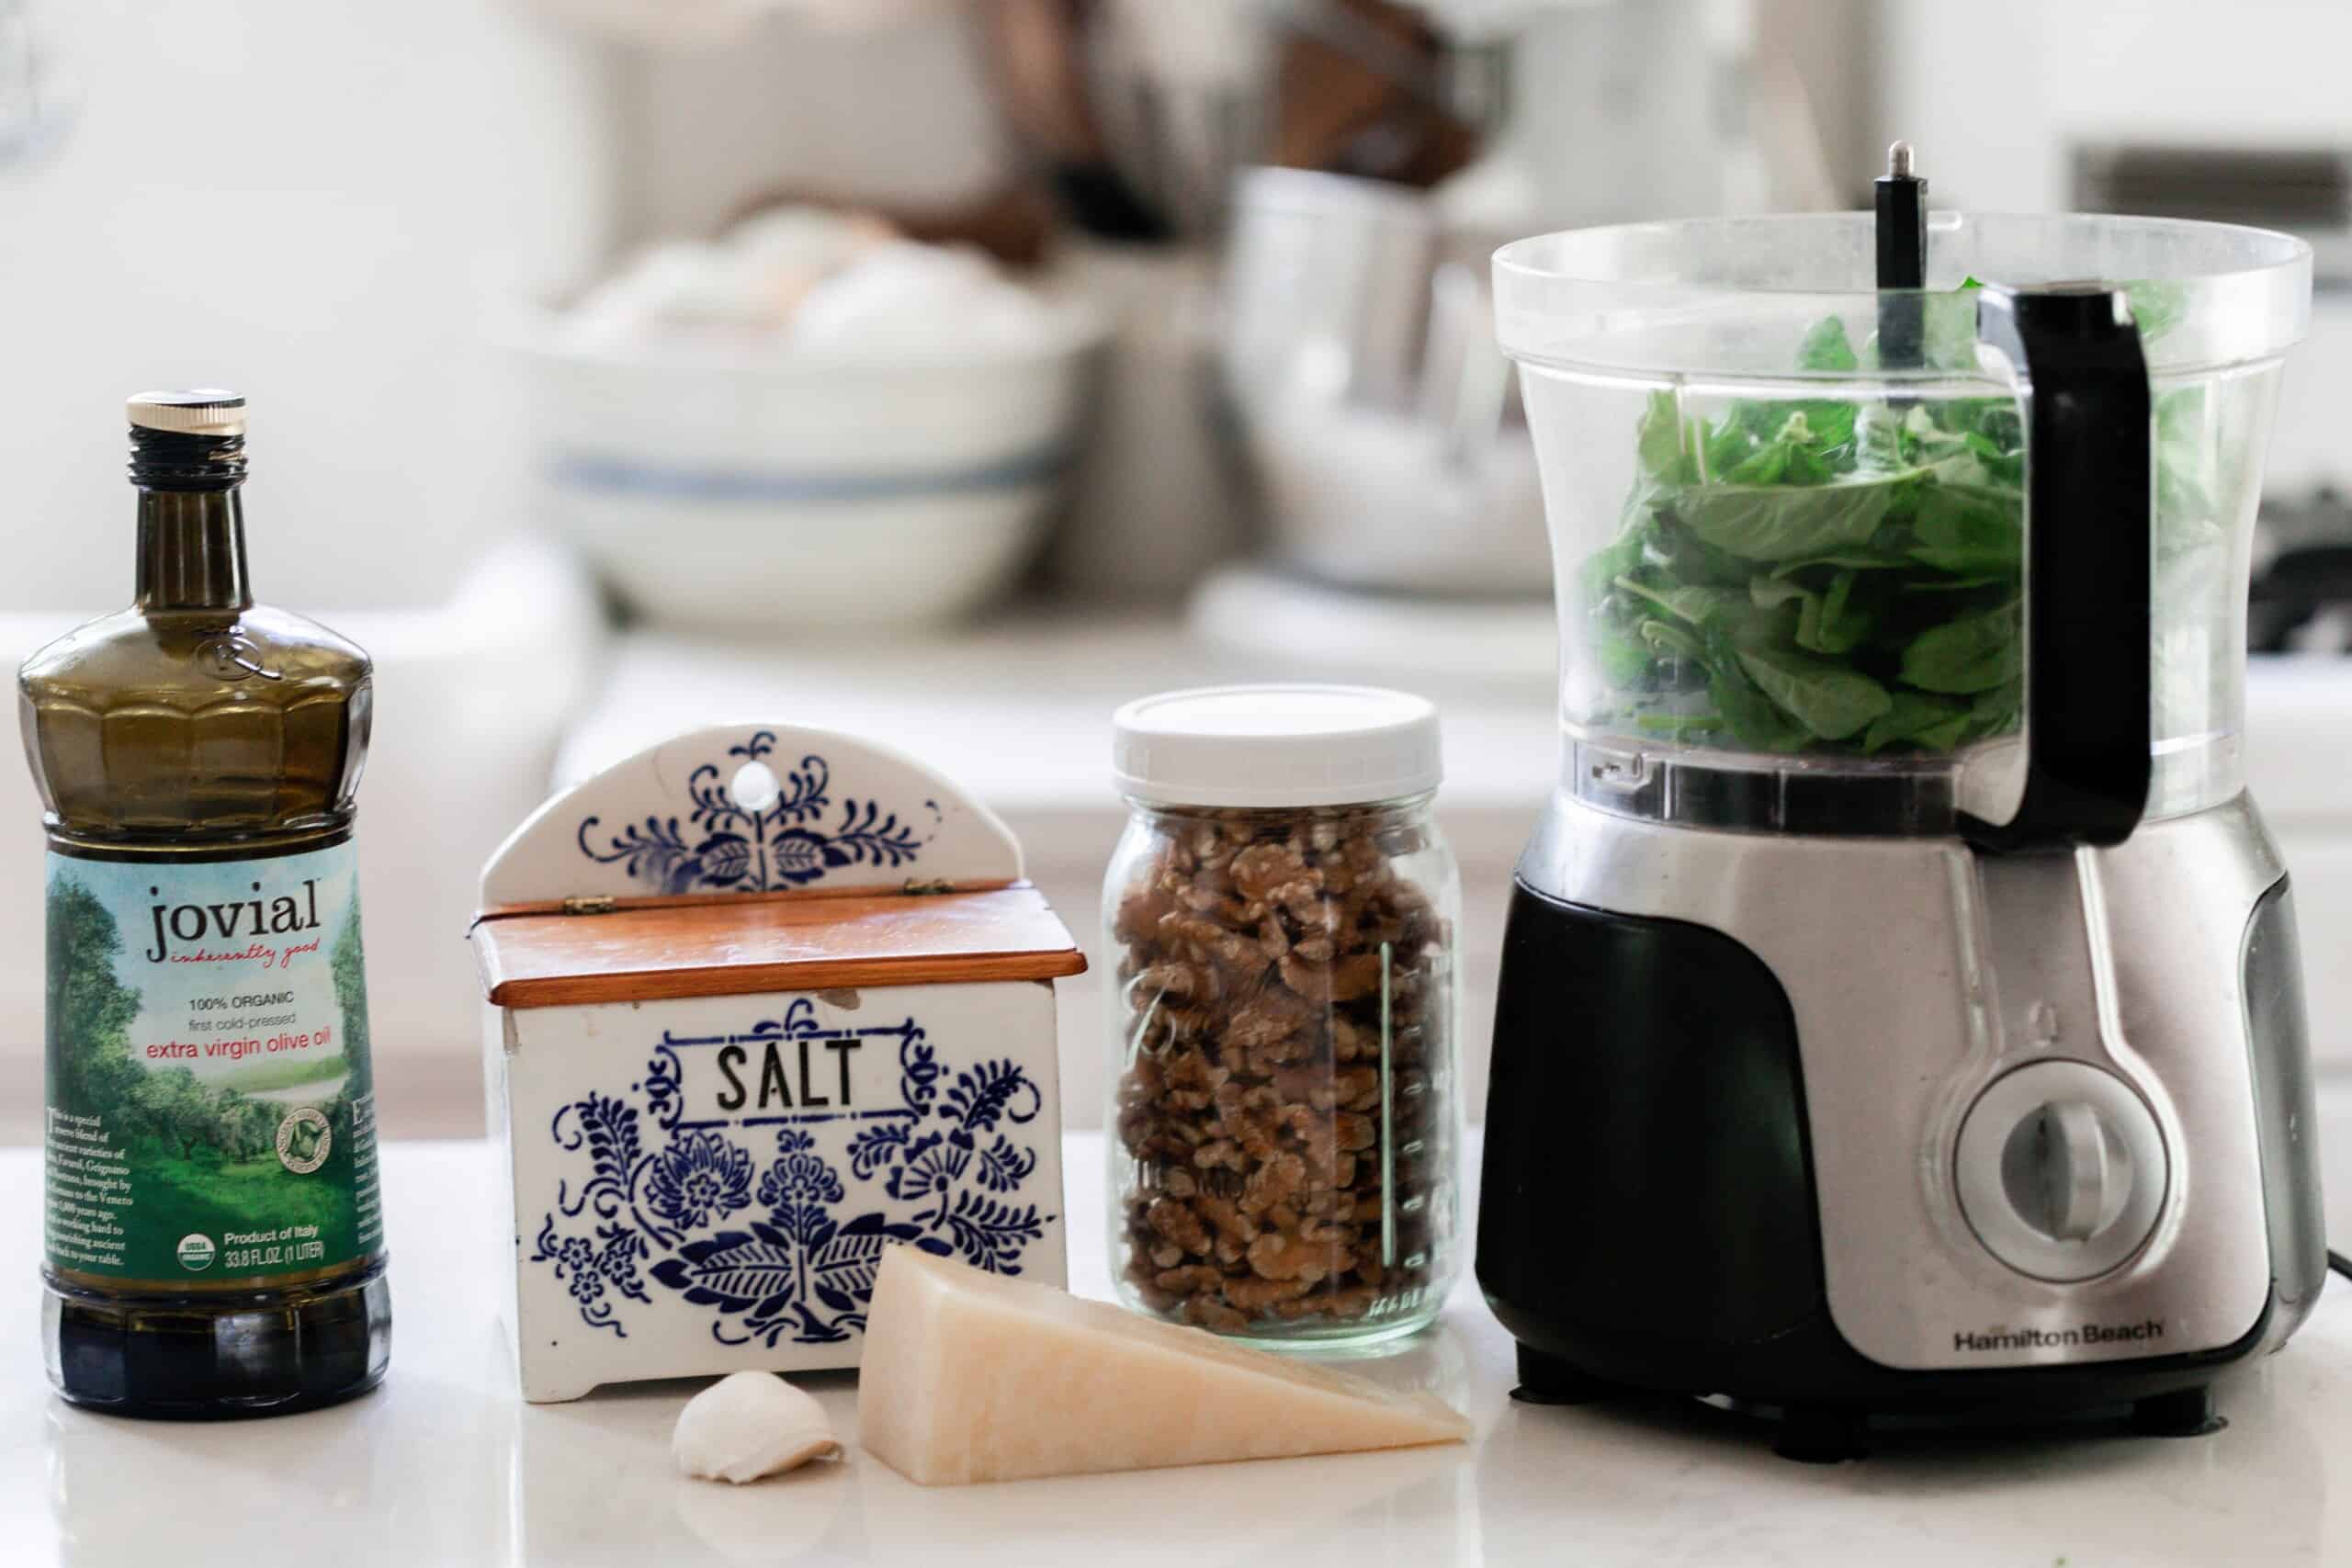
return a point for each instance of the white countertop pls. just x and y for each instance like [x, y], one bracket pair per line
[445, 1465]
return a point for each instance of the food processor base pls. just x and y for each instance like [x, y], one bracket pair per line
[1655, 1219]
[1819, 1434]
[1834, 1433]
[1547, 1380]
[2187, 1413]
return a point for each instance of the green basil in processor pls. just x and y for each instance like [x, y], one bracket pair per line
[1844, 578]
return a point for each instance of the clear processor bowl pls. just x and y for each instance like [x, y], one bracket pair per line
[1790, 579]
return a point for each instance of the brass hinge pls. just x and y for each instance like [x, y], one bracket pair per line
[589, 904]
[915, 887]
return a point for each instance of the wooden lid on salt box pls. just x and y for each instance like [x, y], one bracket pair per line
[750, 857]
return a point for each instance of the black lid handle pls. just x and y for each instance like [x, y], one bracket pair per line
[1901, 197]
[2088, 544]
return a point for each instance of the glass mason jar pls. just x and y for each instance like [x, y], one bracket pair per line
[1278, 926]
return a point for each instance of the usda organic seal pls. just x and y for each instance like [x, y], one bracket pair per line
[196, 1253]
[302, 1140]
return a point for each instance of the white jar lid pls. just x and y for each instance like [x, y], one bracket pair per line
[1282, 745]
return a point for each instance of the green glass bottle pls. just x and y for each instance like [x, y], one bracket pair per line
[214, 1238]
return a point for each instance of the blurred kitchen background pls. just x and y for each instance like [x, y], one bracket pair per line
[952, 370]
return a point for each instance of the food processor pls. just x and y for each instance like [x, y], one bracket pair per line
[1900, 1011]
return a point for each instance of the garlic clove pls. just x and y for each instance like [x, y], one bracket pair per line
[750, 1424]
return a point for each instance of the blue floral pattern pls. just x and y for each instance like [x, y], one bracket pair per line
[698, 1178]
[588, 1267]
[766, 1246]
[720, 845]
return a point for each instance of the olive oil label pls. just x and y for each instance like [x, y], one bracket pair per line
[211, 1113]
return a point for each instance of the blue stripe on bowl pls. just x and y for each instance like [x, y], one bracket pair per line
[627, 475]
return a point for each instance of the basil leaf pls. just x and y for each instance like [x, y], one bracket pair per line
[1696, 604]
[1970, 653]
[2002, 466]
[1754, 719]
[1826, 348]
[1959, 584]
[2156, 306]
[1833, 427]
[1751, 714]
[1678, 553]
[1995, 712]
[1949, 329]
[1605, 565]
[2188, 473]
[1836, 623]
[1768, 465]
[1797, 454]
[1878, 438]
[1675, 725]
[1725, 447]
[1858, 560]
[1776, 523]
[1625, 662]
[1658, 438]
[1968, 532]
[1828, 622]
[1913, 717]
[1672, 641]
[1830, 700]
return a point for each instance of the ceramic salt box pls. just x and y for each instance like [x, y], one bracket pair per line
[761, 1002]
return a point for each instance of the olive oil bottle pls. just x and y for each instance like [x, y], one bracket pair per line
[214, 1241]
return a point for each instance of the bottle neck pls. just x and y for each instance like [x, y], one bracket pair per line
[192, 551]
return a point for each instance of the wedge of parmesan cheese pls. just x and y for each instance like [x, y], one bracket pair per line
[969, 1376]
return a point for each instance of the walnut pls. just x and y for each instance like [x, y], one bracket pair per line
[1274, 941]
[1170, 979]
[1276, 1054]
[1192, 1081]
[1313, 1088]
[1205, 1310]
[1310, 982]
[1174, 1220]
[1274, 1184]
[1267, 1018]
[1257, 1296]
[1318, 1135]
[1291, 1258]
[1270, 871]
[1253, 948]
[1225, 1218]
[1347, 1301]
[1191, 1281]
[1140, 913]
[1222, 1155]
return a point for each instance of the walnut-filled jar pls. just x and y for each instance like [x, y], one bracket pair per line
[1279, 928]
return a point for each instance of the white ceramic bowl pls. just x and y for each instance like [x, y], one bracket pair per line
[787, 491]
